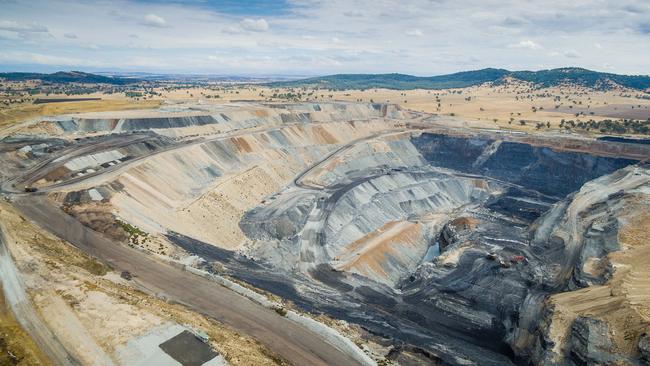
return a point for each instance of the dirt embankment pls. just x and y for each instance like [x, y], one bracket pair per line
[16, 346]
[92, 310]
[623, 303]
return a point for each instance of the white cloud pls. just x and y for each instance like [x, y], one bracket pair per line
[598, 45]
[11, 26]
[259, 25]
[41, 59]
[70, 36]
[514, 21]
[531, 45]
[11, 30]
[353, 14]
[153, 20]
[232, 30]
[572, 54]
[414, 33]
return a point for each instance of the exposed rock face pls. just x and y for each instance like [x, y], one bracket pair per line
[517, 216]
[538, 168]
[590, 343]
[172, 122]
[370, 205]
[604, 320]
[270, 224]
[453, 230]
[644, 348]
[600, 238]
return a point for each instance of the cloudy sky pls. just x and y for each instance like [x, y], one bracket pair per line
[312, 37]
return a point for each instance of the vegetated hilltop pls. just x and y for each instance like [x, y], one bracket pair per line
[543, 78]
[67, 77]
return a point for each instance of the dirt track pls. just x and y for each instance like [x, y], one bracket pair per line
[290, 340]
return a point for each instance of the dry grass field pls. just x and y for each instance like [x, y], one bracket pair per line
[512, 105]
[505, 106]
[27, 111]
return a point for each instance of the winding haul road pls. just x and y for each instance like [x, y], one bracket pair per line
[290, 340]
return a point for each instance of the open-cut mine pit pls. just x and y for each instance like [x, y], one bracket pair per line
[445, 245]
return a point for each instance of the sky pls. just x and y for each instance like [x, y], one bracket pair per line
[318, 37]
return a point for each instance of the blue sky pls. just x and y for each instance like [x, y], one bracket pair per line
[314, 37]
[233, 7]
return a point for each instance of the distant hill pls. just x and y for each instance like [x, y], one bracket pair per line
[545, 78]
[67, 77]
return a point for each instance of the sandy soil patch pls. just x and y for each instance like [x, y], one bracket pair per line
[370, 255]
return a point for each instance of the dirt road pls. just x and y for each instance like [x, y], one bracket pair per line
[285, 337]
